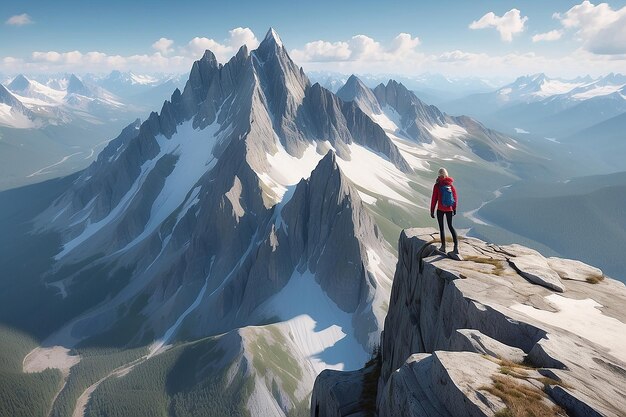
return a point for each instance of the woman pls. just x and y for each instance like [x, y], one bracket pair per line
[445, 199]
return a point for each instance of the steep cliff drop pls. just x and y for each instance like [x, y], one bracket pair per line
[506, 332]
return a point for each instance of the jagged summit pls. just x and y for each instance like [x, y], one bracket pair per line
[76, 86]
[19, 83]
[272, 37]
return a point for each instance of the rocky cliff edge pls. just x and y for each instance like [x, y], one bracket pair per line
[505, 332]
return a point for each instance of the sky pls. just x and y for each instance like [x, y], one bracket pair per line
[483, 38]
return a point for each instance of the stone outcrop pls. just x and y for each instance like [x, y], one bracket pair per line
[466, 338]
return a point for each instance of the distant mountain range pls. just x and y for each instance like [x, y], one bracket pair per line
[57, 125]
[432, 88]
[547, 106]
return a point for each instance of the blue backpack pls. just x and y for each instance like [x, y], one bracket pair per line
[447, 198]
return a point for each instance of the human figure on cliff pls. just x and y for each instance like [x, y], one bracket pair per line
[445, 200]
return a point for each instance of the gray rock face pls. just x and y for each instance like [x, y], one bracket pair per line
[342, 394]
[419, 121]
[354, 90]
[454, 328]
[19, 83]
[184, 201]
[535, 268]
[76, 86]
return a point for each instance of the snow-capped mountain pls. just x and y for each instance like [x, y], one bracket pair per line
[13, 113]
[255, 212]
[548, 106]
[128, 84]
[434, 88]
[405, 117]
[67, 95]
[63, 122]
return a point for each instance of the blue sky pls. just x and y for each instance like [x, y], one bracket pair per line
[484, 38]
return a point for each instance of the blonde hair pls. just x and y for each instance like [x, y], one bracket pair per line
[442, 172]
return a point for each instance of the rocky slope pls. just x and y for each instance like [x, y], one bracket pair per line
[406, 117]
[505, 330]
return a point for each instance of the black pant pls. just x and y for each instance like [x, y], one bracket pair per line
[442, 232]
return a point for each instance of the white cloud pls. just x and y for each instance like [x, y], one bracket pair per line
[163, 45]
[552, 35]
[458, 56]
[320, 51]
[225, 49]
[507, 25]
[358, 48]
[166, 57]
[242, 36]
[19, 20]
[358, 54]
[601, 29]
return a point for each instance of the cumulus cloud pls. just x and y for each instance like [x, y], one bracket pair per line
[320, 51]
[19, 20]
[507, 25]
[358, 48]
[165, 56]
[163, 45]
[601, 29]
[552, 35]
[225, 49]
[460, 56]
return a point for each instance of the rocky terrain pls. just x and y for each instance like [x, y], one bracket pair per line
[505, 332]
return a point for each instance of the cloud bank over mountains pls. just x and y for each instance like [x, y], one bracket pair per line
[586, 38]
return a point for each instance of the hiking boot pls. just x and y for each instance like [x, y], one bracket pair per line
[456, 249]
[442, 248]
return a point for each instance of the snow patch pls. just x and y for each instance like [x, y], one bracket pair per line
[13, 118]
[597, 92]
[234, 196]
[584, 318]
[374, 173]
[553, 87]
[448, 131]
[520, 130]
[286, 170]
[464, 158]
[194, 150]
[366, 198]
[321, 330]
[412, 153]
[389, 119]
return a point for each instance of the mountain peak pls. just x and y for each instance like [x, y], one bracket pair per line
[19, 83]
[209, 57]
[352, 88]
[272, 37]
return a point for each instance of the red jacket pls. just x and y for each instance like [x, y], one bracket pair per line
[436, 199]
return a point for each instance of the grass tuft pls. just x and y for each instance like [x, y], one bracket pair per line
[521, 400]
[496, 263]
[595, 279]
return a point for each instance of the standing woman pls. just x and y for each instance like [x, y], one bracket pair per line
[445, 199]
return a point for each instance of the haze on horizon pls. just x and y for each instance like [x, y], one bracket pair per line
[501, 39]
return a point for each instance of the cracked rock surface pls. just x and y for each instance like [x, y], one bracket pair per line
[552, 329]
